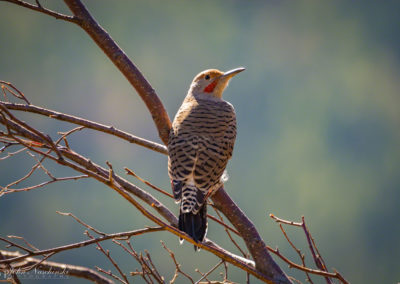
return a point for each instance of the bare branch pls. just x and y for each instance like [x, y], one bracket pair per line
[81, 222]
[279, 220]
[13, 91]
[177, 265]
[14, 244]
[55, 267]
[306, 269]
[230, 236]
[40, 9]
[74, 245]
[31, 129]
[65, 134]
[109, 273]
[317, 257]
[13, 153]
[40, 262]
[209, 272]
[132, 173]
[125, 65]
[12, 190]
[255, 244]
[108, 255]
[11, 271]
[25, 241]
[88, 124]
[147, 265]
[301, 255]
[319, 262]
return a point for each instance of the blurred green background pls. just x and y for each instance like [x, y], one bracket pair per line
[318, 123]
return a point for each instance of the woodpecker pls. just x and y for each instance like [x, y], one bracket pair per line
[200, 144]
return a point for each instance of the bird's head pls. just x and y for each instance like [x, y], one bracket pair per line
[212, 82]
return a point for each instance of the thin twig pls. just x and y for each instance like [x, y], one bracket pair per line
[109, 273]
[177, 265]
[88, 124]
[14, 91]
[46, 11]
[317, 257]
[154, 269]
[65, 134]
[56, 267]
[309, 270]
[75, 245]
[301, 255]
[229, 235]
[28, 127]
[13, 154]
[210, 271]
[81, 222]
[39, 262]
[279, 220]
[108, 255]
[14, 244]
[132, 173]
[146, 264]
[25, 241]
[10, 270]
[12, 190]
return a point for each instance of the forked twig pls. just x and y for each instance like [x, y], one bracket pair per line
[108, 255]
[210, 271]
[81, 222]
[229, 234]
[178, 269]
[322, 271]
[39, 8]
[7, 86]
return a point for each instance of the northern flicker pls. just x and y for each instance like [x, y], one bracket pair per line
[200, 144]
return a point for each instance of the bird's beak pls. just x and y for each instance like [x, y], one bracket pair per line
[229, 74]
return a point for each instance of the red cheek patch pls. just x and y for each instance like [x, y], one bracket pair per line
[210, 87]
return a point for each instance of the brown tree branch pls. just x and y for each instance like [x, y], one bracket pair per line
[31, 252]
[177, 265]
[88, 124]
[306, 269]
[148, 267]
[40, 9]
[125, 65]
[10, 88]
[255, 244]
[209, 272]
[108, 255]
[319, 262]
[10, 270]
[301, 255]
[55, 267]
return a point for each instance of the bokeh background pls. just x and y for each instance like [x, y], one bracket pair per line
[318, 122]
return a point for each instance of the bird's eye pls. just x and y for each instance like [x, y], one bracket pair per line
[207, 77]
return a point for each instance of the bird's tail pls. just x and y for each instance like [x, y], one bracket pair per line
[195, 225]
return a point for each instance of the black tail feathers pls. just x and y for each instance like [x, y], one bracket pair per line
[195, 225]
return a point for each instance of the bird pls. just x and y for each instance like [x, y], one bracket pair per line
[200, 144]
